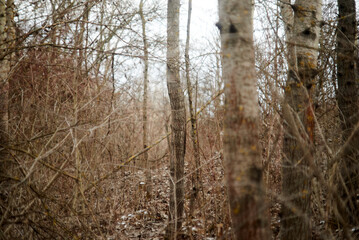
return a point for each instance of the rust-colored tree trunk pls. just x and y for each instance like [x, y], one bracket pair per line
[348, 94]
[302, 22]
[242, 151]
[178, 124]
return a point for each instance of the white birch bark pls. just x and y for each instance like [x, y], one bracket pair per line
[302, 26]
[241, 142]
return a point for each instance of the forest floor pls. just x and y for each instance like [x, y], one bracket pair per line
[140, 217]
[143, 218]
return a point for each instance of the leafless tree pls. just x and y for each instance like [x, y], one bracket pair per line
[242, 151]
[302, 24]
[348, 94]
[178, 123]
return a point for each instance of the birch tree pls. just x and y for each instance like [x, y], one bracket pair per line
[241, 122]
[302, 22]
[348, 93]
[178, 124]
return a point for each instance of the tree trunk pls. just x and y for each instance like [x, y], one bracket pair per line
[144, 107]
[178, 125]
[348, 93]
[302, 29]
[196, 181]
[4, 86]
[242, 151]
[7, 36]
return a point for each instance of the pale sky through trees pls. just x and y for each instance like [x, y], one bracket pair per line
[204, 17]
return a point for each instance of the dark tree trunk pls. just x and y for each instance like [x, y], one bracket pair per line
[178, 124]
[348, 93]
